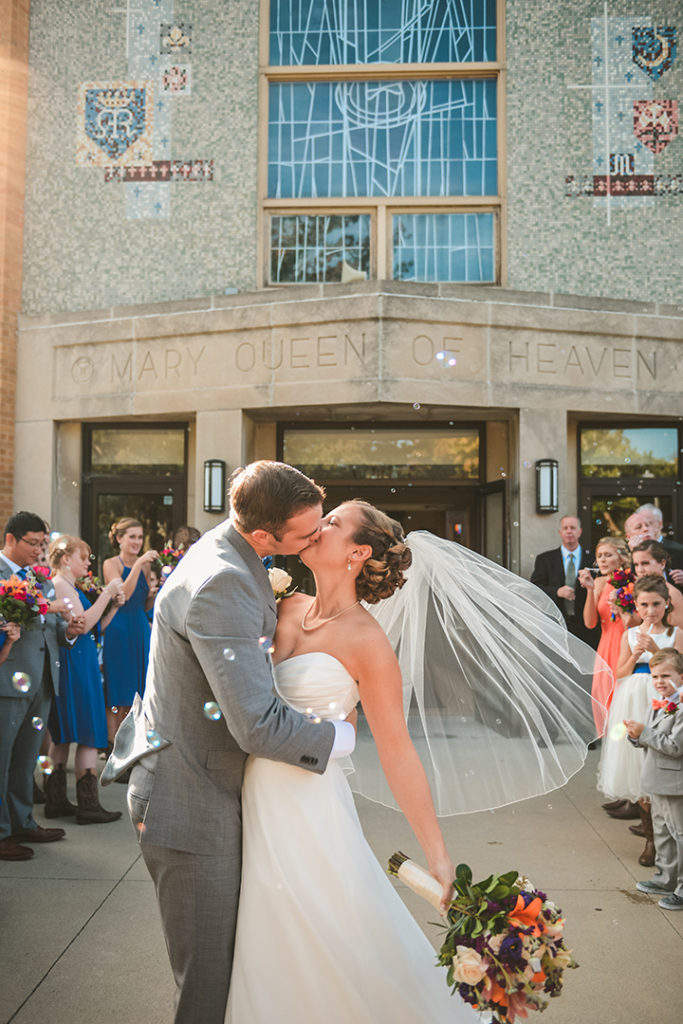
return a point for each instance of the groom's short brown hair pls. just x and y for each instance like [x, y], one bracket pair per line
[264, 495]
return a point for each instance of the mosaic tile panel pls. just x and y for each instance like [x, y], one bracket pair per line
[181, 221]
[592, 209]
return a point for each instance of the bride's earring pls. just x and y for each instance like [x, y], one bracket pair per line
[348, 565]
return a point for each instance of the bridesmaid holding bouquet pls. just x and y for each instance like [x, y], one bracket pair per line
[126, 642]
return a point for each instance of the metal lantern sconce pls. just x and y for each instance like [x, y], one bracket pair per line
[214, 485]
[546, 485]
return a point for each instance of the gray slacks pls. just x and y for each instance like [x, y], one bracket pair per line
[19, 746]
[198, 895]
[667, 825]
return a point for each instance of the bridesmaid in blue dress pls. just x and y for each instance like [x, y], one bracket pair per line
[77, 714]
[126, 641]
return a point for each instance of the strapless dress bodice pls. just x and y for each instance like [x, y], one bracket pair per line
[316, 684]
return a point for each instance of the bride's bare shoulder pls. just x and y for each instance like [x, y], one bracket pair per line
[295, 604]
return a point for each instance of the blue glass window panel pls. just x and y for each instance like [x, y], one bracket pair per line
[444, 247]
[315, 248]
[387, 138]
[387, 31]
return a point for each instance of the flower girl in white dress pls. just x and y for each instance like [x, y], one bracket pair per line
[321, 934]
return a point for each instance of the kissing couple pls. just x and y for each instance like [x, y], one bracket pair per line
[273, 905]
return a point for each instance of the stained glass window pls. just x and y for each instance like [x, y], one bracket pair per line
[342, 138]
[444, 247]
[407, 138]
[381, 31]
[326, 248]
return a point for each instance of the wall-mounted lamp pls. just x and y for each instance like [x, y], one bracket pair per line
[214, 485]
[546, 485]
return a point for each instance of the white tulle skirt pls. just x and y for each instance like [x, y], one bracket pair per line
[621, 763]
[321, 934]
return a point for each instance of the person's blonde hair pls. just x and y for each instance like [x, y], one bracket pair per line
[119, 528]
[668, 656]
[65, 545]
[619, 545]
[382, 573]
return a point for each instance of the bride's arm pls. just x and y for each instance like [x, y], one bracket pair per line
[381, 692]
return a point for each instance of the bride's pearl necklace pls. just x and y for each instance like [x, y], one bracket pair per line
[323, 622]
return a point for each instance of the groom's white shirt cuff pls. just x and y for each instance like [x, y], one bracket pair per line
[344, 740]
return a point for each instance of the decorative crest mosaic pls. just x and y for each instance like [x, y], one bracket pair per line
[654, 49]
[115, 123]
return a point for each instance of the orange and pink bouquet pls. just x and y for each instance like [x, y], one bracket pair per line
[22, 601]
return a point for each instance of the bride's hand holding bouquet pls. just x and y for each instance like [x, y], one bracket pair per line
[504, 949]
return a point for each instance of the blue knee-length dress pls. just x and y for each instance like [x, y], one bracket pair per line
[126, 647]
[77, 715]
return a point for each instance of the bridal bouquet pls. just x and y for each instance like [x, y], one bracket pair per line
[622, 580]
[504, 949]
[22, 601]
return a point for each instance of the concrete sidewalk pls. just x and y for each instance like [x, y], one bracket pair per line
[80, 940]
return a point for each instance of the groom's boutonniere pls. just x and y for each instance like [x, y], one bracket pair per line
[280, 581]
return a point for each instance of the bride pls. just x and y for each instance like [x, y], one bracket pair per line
[321, 933]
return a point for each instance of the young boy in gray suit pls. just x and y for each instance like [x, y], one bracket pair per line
[662, 776]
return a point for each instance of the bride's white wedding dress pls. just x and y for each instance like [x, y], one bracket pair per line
[321, 933]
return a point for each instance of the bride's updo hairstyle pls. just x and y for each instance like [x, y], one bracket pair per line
[382, 574]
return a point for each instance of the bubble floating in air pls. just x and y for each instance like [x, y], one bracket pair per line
[212, 711]
[21, 682]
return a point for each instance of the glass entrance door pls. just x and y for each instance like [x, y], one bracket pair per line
[136, 470]
[159, 507]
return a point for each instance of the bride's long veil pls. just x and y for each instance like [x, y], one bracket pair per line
[496, 692]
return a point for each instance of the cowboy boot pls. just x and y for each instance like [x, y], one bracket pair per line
[57, 803]
[90, 811]
[647, 857]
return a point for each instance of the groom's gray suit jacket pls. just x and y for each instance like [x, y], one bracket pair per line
[209, 618]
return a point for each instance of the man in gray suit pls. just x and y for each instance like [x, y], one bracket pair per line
[28, 678]
[209, 696]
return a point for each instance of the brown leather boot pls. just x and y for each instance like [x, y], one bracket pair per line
[57, 804]
[647, 857]
[90, 811]
[627, 812]
[613, 804]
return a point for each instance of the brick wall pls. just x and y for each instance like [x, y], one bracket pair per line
[14, 19]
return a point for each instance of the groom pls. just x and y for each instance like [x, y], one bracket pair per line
[209, 692]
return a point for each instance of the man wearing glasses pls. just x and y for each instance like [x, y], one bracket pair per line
[28, 679]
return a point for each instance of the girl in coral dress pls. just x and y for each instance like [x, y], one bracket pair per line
[611, 553]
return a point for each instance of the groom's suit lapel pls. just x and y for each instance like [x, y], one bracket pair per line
[255, 566]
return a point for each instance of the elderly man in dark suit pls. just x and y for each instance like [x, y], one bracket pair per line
[556, 573]
[649, 523]
[28, 678]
